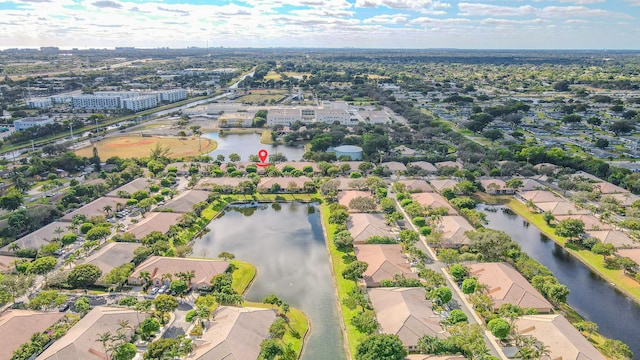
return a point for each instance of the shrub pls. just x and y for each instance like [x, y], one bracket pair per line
[458, 272]
[499, 328]
[469, 285]
[425, 230]
[419, 221]
[456, 316]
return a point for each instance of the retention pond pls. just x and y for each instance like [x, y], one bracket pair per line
[286, 243]
[591, 296]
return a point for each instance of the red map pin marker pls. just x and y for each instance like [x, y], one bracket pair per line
[262, 155]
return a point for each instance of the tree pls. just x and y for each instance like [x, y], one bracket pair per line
[570, 228]
[12, 200]
[456, 316]
[499, 328]
[442, 294]
[354, 270]
[616, 349]
[16, 285]
[343, 240]
[225, 255]
[98, 233]
[82, 305]
[381, 347]
[272, 299]
[125, 351]
[178, 286]
[339, 216]
[363, 204]
[492, 244]
[448, 256]
[269, 349]
[43, 265]
[365, 322]
[165, 303]
[162, 349]
[469, 285]
[149, 327]
[548, 217]
[458, 272]
[84, 275]
[47, 299]
[118, 276]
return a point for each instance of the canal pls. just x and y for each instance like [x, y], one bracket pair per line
[286, 243]
[592, 297]
[249, 144]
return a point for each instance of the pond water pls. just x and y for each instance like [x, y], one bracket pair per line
[286, 243]
[591, 296]
[249, 144]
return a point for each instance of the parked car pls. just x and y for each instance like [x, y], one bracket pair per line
[154, 290]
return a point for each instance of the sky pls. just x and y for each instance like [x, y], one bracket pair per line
[400, 24]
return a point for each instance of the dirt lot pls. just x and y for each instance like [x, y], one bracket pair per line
[139, 146]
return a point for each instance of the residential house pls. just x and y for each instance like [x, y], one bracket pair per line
[403, 151]
[614, 237]
[226, 183]
[154, 221]
[495, 187]
[560, 208]
[183, 203]
[416, 185]
[453, 230]
[6, 264]
[394, 166]
[98, 207]
[110, 256]
[591, 223]
[440, 185]
[561, 338]
[531, 184]
[537, 196]
[608, 188]
[163, 269]
[283, 184]
[407, 313]
[17, 327]
[427, 167]
[234, 333]
[82, 342]
[385, 261]
[299, 165]
[444, 164]
[345, 197]
[434, 201]
[131, 187]
[40, 237]
[363, 226]
[505, 285]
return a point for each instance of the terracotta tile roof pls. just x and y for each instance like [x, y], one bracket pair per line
[385, 261]
[345, 197]
[80, 342]
[132, 186]
[507, 286]
[426, 166]
[539, 196]
[154, 221]
[454, 164]
[590, 222]
[440, 185]
[95, 208]
[364, 226]
[608, 188]
[561, 208]
[416, 185]
[112, 255]
[433, 200]
[17, 326]
[563, 339]
[453, 229]
[405, 312]
[617, 238]
[204, 269]
[235, 333]
[183, 203]
[394, 166]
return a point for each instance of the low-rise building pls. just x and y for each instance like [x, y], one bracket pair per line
[17, 327]
[140, 103]
[29, 122]
[407, 313]
[453, 230]
[363, 226]
[385, 262]
[158, 267]
[505, 285]
[434, 201]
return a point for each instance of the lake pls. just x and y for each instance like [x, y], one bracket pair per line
[591, 296]
[249, 144]
[286, 243]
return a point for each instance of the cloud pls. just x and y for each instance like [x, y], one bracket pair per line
[577, 11]
[173, 10]
[582, 2]
[470, 9]
[387, 19]
[492, 21]
[107, 4]
[395, 4]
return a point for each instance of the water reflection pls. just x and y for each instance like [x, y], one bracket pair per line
[286, 243]
[591, 296]
[249, 144]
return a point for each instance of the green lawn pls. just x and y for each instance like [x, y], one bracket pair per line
[594, 261]
[243, 275]
[297, 320]
[354, 337]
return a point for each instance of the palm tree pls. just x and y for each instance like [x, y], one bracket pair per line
[167, 276]
[107, 209]
[146, 278]
[14, 247]
[530, 204]
[103, 339]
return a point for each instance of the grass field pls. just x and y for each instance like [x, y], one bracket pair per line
[138, 146]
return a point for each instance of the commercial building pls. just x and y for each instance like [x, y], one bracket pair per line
[39, 103]
[140, 103]
[30, 122]
[172, 95]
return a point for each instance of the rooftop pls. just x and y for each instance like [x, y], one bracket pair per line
[17, 326]
[154, 221]
[363, 226]
[385, 261]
